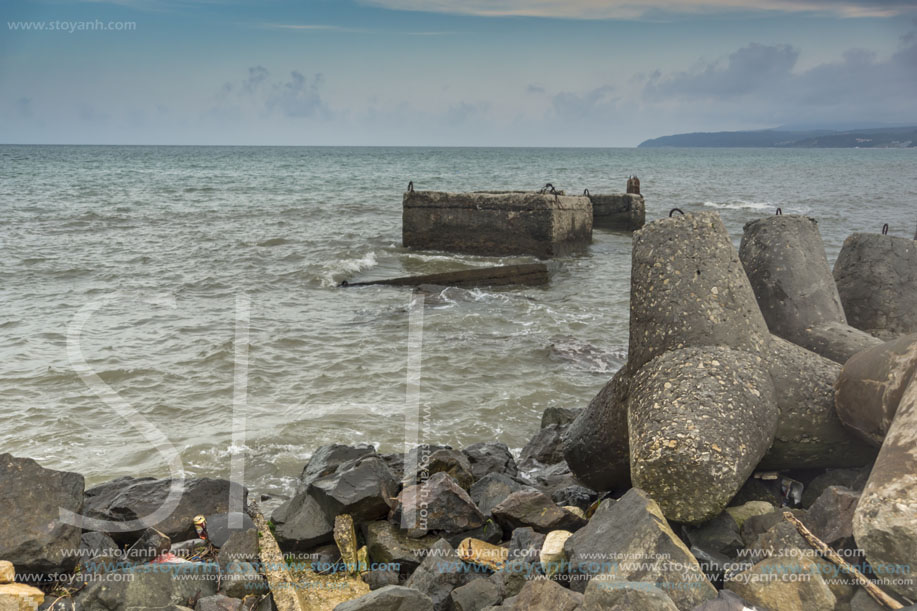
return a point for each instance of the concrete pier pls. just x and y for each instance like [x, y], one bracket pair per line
[618, 211]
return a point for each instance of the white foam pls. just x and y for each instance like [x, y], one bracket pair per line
[741, 204]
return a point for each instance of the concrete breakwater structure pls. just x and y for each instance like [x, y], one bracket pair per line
[617, 211]
[666, 493]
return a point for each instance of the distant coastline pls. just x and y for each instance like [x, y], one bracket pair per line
[884, 137]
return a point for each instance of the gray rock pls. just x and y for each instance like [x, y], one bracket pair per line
[221, 526]
[719, 535]
[126, 499]
[535, 509]
[575, 496]
[552, 478]
[387, 544]
[98, 553]
[150, 585]
[854, 479]
[809, 432]
[757, 525]
[546, 595]
[780, 540]
[831, 517]
[784, 583]
[688, 289]
[871, 384]
[605, 593]
[725, 601]
[634, 529]
[242, 546]
[151, 544]
[439, 504]
[240, 579]
[509, 582]
[476, 595]
[489, 532]
[489, 457]
[218, 603]
[301, 523]
[395, 463]
[596, 443]
[525, 545]
[545, 448]
[876, 278]
[883, 523]
[562, 416]
[32, 536]
[361, 488]
[389, 598]
[700, 419]
[440, 572]
[379, 578]
[326, 460]
[448, 461]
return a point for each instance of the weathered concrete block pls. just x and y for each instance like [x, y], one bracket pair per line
[871, 384]
[688, 289]
[784, 258]
[497, 224]
[700, 420]
[809, 432]
[883, 523]
[876, 278]
[621, 211]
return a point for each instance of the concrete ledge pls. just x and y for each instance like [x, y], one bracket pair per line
[619, 211]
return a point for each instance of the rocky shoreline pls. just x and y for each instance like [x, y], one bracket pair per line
[746, 395]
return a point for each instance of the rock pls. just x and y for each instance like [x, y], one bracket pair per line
[389, 598]
[552, 557]
[561, 416]
[831, 517]
[748, 510]
[700, 420]
[489, 532]
[301, 523]
[32, 536]
[719, 535]
[395, 463]
[149, 585]
[326, 460]
[497, 224]
[784, 583]
[510, 581]
[596, 443]
[883, 523]
[552, 478]
[439, 504]
[387, 544]
[546, 447]
[148, 547]
[757, 525]
[854, 479]
[618, 211]
[221, 526]
[489, 457]
[758, 489]
[688, 289]
[577, 496]
[7, 572]
[240, 579]
[725, 601]
[242, 546]
[535, 509]
[218, 603]
[862, 601]
[20, 597]
[448, 461]
[476, 595]
[525, 545]
[605, 593]
[361, 488]
[631, 540]
[545, 595]
[871, 384]
[126, 499]
[782, 540]
[440, 572]
[379, 578]
[876, 278]
[809, 432]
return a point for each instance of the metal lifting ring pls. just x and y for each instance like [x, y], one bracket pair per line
[885, 229]
[411, 186]
[586, 192]
[779, 211]
[674, 210]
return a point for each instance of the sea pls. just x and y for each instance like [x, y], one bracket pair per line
[171, 310]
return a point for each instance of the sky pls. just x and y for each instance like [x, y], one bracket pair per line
[589, 73]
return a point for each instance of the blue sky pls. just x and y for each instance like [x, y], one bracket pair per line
[438, 72]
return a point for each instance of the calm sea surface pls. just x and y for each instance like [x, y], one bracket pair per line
[132, 260]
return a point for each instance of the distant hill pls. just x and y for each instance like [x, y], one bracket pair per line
[880, 137]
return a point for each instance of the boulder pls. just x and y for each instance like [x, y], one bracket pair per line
[605, 593]
[719, 535]
[389, 598]
[221, 526]
[809, 432]
[98, 553]
[476, 595]
[871, 384]
[831, 517]
[32, 536]
[218, 603]
[725, 601]
[525, 545]
[489, 532]
[128, 499]
[20, 597]
[150, 585]
[741, 513]
[545, 595]
[242, 546]
[631, 540]
[379, 578]
[440, 572]
[855, 479]
[448, 461]
[757, 525]
[553, 558]
[240, 579]
[492, 489]
[301, 523]
[562, 416]
[883, 523]
[700, 420]
[7, 572]
[388, 544]
[545, 448]
[577, 496]
[148, 547]
[490, 457]
[361, 488]
[326, 460]
[439, 504]
[784, 583]
[688, 289]
[552, 478]
[535, 509]
[876, 278]
[596, 443]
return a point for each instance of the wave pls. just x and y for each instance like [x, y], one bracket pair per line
[336, 271]
[741, 204]
[273, 242]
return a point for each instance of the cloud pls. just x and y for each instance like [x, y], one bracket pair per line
[535, 89]
[596, 103]
[631, 9]
[260, 94]
[298, 97]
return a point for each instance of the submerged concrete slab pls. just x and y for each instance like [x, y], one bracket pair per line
[529, 274]
[497, 223]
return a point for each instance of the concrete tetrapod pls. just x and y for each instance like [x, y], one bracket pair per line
[700, 420]
[784, 257]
